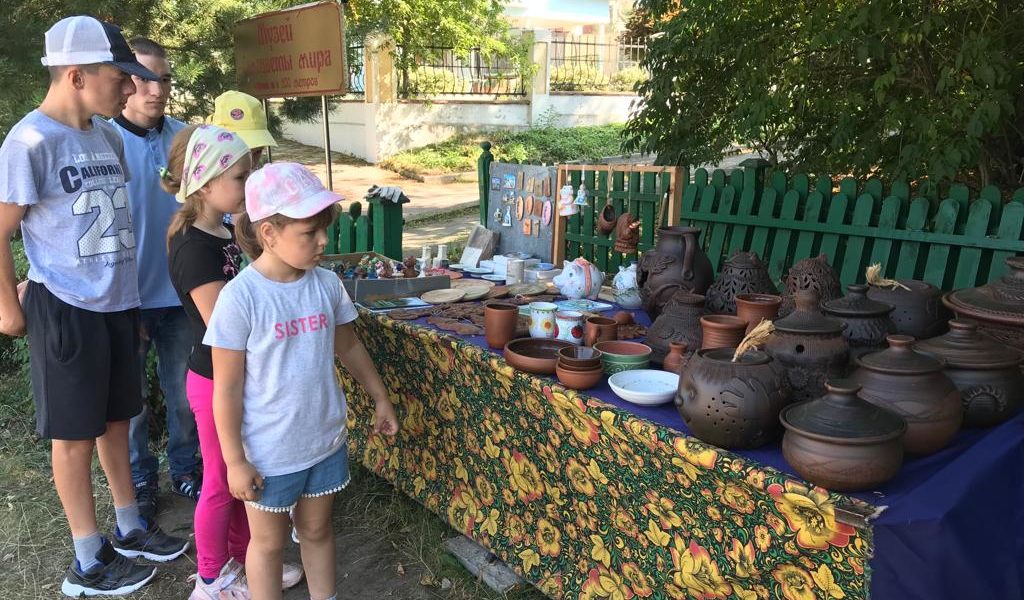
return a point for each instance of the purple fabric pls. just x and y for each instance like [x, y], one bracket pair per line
[953, 523]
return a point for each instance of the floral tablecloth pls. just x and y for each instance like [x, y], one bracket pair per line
[586, 500]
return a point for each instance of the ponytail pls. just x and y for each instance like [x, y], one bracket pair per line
[170, 181]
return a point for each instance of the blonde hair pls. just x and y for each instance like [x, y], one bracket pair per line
[248, 237]
[170, 181]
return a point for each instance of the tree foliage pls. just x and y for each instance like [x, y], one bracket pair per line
[903, 88]
[200, 40]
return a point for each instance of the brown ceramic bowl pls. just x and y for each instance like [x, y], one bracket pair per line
[561, 363]
[534, 355]
[578, 380]
[580, 356]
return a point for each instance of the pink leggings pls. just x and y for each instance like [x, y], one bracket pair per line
[222, 530]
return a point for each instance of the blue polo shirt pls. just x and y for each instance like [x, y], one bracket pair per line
[152, 208]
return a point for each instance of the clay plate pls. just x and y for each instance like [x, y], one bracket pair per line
[534, 355]
[443, 296]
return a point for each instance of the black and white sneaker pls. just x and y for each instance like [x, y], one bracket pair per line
[151, 544]
[114, 576]
[145, 498]
[186, 486]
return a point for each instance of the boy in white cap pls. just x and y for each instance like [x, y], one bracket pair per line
[62, 181]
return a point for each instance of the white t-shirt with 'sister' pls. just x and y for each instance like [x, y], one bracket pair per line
[293, 411]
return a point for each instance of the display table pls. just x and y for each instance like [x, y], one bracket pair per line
[588, 496]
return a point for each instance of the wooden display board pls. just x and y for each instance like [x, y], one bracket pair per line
[521, 207]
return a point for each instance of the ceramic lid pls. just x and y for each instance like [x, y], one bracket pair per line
[857, 304]
[840, 413]
[743, 260]
[807, 318]
[964, 347]
[1001, 301]
[900, 358]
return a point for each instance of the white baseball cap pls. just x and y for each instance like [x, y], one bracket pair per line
[85, 40]
[288, 189]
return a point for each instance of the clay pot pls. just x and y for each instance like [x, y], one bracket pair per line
[722, 331]
[623, 318]
[678, 322]
[810, 274]
[599, 329]
[810, 347]
[912, 385]
[500, 322]
[867, 321]
[997, 307]
[732, 404]
[606, 220]
[842, 442]
[743, 273]
[676, 358]
[753, 308]
[918, 311]
[578, 380]
[986, 372]
[676, 262]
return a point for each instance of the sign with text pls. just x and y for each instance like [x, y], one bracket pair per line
[298, 51]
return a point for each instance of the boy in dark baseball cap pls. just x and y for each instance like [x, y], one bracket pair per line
[62, 181]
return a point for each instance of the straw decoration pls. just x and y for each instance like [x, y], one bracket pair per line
[757, 337]
[873, 274]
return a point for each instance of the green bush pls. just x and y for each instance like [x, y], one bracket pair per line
[546, 143]
[627, 79]
[432, 80]
[577, 78]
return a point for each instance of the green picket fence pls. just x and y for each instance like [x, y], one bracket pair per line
[953, 242]
[649, 193]
[379, 230]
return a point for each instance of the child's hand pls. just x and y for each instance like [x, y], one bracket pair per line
[386, 421]
[244, 481]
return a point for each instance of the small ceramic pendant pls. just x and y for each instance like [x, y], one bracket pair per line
[581, 195]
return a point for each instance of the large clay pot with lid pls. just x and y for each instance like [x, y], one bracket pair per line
[986, 372]
[912, 384]
[676, 262]
[867, 321]
[997, 307]
[732, 404]
[743, 273]
[842, 442]
[810, 347]
[918, 310]
[679, 321]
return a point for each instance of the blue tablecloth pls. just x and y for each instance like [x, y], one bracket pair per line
[951, 525]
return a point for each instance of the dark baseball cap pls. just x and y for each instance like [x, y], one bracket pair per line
[83, 40]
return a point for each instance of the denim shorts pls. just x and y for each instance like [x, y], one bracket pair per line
[282, 492]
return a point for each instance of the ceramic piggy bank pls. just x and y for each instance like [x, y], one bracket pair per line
[579, 279]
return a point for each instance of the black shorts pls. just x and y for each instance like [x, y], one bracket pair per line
[85, 366]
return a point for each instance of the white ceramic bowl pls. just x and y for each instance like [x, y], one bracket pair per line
[646, 387]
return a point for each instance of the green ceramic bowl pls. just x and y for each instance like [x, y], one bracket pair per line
[620, 356]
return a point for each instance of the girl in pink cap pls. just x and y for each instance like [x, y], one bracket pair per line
[206, 171]
[280, 413]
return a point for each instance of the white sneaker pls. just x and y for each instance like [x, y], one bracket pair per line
[291, 575]
[229, 585]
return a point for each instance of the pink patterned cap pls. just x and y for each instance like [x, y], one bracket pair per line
[288, 189]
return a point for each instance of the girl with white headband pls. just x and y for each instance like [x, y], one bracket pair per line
[207, 170]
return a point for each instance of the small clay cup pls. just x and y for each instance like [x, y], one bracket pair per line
[722, 331]
[623, 318]
[754, 307]
[599, 329]
[500, 323]
[580, 357]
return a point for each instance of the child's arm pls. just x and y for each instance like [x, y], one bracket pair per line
[205, 296]
[228, 382]
[353, 355]
[12, 317]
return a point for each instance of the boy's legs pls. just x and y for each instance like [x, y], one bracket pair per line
[72, 462]
[173, 338]
[313, 520]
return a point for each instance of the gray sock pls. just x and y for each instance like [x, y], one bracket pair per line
[86, 549]
[128, 519]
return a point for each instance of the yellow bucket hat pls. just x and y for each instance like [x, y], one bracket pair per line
[244, 115]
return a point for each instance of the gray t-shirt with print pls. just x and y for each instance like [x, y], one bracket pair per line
[293, 411]
[77, 227]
